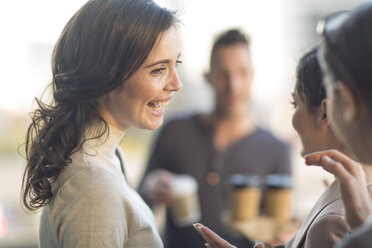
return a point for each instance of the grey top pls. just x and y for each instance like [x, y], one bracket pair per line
[185, 145]
[93, 206]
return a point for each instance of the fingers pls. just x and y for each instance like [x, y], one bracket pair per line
[337, 163]
[214, 241]
[335, 168]
[315, 158]
[197, 227]
[209, 236]
[213, 238]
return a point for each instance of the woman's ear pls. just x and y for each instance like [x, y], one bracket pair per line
[348, 103]
[324, 116]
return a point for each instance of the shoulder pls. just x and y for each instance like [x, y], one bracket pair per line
[92, 176]
[92, 193]
[92, 209]
[331, 223]
[327, 230]
[334, 208]
[88, 184]
[332, 217]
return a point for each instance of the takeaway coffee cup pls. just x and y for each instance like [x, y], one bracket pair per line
[278, 197]
[185, 207]
[245, 195]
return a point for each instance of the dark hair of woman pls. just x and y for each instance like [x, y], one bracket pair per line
[309, 80]
[348, 53]
[100, 48]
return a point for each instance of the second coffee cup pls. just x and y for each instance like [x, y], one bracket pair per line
[278, 197]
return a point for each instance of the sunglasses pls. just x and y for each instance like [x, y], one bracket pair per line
[328, 26]
[330, 29]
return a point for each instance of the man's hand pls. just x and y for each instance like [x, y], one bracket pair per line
[157, 186]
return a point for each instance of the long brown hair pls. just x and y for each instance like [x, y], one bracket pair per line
[101, 46]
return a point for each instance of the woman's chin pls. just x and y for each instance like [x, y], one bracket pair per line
[153, 125]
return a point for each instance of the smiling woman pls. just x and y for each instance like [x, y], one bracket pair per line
[113, 68]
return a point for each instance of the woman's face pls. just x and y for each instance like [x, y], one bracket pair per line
[306, 126]
[141, 100]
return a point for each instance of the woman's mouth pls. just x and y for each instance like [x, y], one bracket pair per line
[157, 105]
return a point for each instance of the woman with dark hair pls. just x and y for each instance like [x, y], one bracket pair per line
[325, 225]
[113, 68]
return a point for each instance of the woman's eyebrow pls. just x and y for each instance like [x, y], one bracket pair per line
[164, 61]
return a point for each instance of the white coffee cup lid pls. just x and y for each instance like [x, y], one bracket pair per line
[184, 184]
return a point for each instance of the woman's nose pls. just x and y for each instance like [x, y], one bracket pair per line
[175, 83]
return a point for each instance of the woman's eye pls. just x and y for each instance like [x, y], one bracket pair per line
[158, 70]
[293, 104]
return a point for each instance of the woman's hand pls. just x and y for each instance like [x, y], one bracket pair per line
[352, 183]
[215, 241]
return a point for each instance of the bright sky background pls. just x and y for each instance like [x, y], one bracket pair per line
[26, 23]
[23, 23]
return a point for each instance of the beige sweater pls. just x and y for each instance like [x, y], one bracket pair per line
[93, 206]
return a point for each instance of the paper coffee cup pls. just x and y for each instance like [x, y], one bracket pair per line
[245, 195]
[185, 208]
[278, 197]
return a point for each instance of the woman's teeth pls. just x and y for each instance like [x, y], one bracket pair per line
[157, 105]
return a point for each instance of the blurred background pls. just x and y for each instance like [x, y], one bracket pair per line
[281, 31]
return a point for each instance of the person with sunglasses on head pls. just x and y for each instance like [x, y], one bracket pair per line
[346, 60]
[113, 68]
[325, 225]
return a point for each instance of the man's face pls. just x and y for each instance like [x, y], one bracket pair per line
[231, 77]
